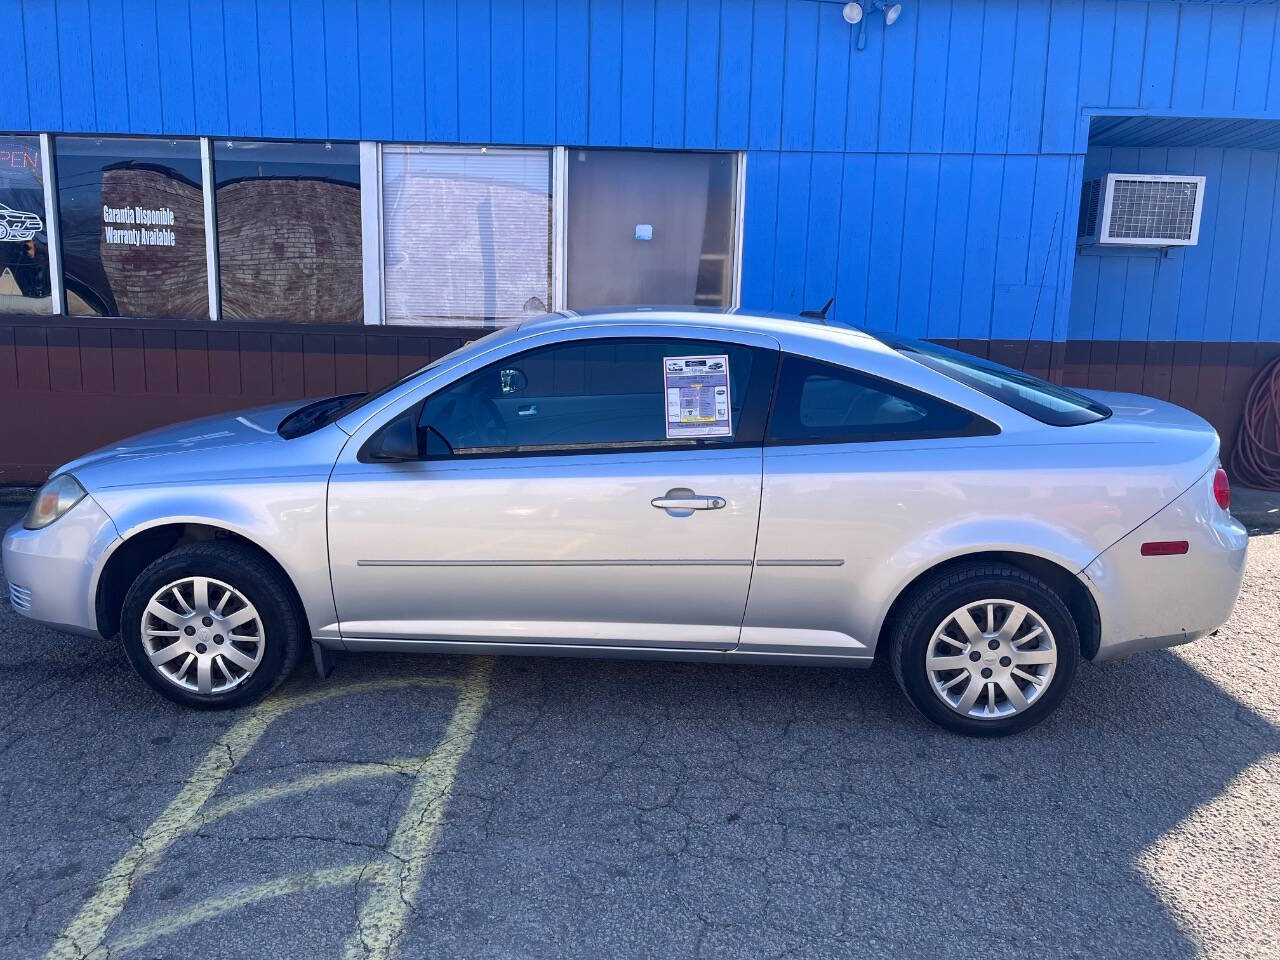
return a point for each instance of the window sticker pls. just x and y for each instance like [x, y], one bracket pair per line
[697, 390]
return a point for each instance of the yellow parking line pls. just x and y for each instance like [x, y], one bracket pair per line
[382, 916]
[216, 906]
[83, 939]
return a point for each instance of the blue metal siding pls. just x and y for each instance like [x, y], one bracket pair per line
[1225, 288]
[928, 181]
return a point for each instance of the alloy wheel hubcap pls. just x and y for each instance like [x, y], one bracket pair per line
[202, 635]
[991, 659]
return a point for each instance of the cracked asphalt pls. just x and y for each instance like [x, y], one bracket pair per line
[617, 809]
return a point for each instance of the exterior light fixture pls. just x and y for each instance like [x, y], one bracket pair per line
[856, 13]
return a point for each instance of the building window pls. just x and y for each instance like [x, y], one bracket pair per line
[647, 227]
[24, 251]
[131, 218]
[466, 234]
[288, 218]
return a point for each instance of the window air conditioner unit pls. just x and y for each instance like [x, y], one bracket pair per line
[1141, 210]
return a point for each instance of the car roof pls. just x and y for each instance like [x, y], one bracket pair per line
[783, 326]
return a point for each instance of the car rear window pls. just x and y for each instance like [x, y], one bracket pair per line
[1045, 401]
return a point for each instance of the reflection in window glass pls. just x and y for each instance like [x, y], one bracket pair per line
[822, 402]
[652, 228]
[289, 231]
[467, 234]
[24, 253]
[591, 393]
[132, 227]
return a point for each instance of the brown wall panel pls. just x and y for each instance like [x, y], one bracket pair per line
[287, 365]
[1075, 363]
[128, 365]
[8, 361]
[319, 376]
[382, 360]
[349, 364]
[97, 380]
[1104, 357]
[1157, 373]
[33, 358]
[1185, 380]
[160, 360]
[224, 363]
[64, 359]
[255, 365]
[1131, 357]
[191, 352]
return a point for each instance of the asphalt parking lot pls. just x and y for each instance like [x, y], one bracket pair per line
[462, 807]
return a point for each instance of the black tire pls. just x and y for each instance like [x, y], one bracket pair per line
[935, 599]
[260, 582]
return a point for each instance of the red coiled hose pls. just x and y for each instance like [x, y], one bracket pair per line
[1255, 462]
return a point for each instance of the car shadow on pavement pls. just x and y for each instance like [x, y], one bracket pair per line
[630, 809]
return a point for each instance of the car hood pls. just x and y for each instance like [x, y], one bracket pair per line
[237, 444]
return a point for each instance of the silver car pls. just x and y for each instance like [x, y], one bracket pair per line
[657, 484]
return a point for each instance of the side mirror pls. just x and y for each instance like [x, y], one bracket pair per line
[396, 442]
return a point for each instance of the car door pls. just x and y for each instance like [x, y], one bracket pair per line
[857, 471]
[551, 501]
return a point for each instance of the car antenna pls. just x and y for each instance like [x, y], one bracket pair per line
[819, 314]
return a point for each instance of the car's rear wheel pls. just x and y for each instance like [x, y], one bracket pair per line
[211, 625]
[4, 232]
[985, 650]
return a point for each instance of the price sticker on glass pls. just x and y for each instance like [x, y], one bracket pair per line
[697, 391]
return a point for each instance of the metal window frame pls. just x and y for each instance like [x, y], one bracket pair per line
[375, 303]
[52, 227]
[373, 224]
[212, 268]
[736, 224]
[739, 226]
[559, 228]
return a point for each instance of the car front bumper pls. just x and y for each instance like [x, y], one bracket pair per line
[1161, 601]
[53, 572]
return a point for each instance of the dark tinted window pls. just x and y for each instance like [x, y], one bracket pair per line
[1045, 401]
[24, 254]
[132, 216]
[597, 393]
[824, 403]
[289, 231]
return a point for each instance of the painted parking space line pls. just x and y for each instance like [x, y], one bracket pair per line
[391, 880]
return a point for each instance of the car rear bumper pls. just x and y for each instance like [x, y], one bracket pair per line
[52, 573]
[1147, 602]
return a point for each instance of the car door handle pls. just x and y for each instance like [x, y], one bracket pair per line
[528, 410]
[678, 500]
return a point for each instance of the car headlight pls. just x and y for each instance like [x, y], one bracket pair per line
[53, 500]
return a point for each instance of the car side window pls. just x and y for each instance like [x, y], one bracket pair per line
[818, 402]
[590, 394]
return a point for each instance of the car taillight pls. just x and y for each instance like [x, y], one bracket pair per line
[1222, 489]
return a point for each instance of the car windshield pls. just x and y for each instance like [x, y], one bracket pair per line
[1045, 401]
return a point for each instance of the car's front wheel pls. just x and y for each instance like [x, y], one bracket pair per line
[985, 650]
[211, 625]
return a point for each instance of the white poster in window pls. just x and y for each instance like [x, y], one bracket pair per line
[697, 391]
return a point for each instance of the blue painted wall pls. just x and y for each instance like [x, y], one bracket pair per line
[1227, 287]
[930, 181]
